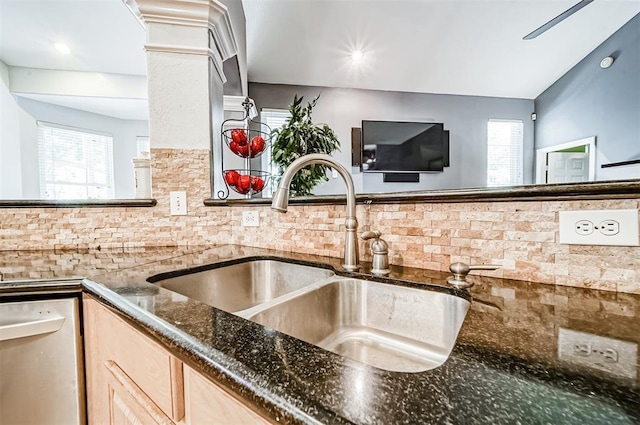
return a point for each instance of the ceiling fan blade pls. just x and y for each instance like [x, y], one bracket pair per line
[561, 17]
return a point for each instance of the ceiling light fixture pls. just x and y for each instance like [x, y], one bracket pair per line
[606, 62]
[62, 48]
[357, 55]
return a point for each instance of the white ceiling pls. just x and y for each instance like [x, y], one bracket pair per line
[468, 47]
[471, 47]
[103, 35]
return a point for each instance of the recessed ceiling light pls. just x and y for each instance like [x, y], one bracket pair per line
[357, 55]
[62, 48]
[606, 62]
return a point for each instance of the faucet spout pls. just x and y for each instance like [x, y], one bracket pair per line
[280, 201]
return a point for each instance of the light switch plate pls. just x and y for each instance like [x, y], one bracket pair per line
[178, 203]
[596, 227]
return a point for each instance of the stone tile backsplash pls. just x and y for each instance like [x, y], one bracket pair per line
[520, 236]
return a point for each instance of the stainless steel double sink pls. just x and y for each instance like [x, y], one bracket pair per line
[391, 327]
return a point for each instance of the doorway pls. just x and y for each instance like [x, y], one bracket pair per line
[570, 162]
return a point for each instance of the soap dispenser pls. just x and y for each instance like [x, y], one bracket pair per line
[380, 252]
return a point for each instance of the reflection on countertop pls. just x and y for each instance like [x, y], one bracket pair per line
[81, 263]
[529, 318]
[526, 353]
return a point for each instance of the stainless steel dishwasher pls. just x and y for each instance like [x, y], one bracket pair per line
[41, 368]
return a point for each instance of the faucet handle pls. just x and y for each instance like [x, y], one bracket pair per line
[461, 270]
[370, 234]
[379, 245]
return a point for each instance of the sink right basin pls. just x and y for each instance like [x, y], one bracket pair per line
[396, 328]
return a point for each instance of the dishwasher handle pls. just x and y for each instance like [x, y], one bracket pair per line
[25, 329]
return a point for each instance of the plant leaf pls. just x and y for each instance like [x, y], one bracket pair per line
[299, 137]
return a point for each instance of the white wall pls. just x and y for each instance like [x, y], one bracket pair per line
[76, 83]
[124, 140]
[15, 125]
[29, 156]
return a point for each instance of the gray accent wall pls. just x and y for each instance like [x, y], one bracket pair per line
[605, 103]
[465, 116]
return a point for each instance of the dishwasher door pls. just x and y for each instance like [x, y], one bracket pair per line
[41, 369]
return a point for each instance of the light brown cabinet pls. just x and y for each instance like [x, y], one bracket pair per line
[207, 403]
[133, 380]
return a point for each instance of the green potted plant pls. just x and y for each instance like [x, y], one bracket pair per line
[299, 137]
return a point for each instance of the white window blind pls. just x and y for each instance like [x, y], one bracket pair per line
[505, 139]
[74, 163]
[274, 118]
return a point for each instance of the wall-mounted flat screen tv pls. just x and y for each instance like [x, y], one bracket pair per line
[409, 147]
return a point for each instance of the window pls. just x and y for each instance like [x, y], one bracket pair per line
[504, 152]
[74, 163]
[274, 118]
[143, 145]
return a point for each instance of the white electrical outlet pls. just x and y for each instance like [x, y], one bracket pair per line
[584, 227]
[595, 227]
[178, 203]
[609, 227]
[610, 355]
[250, 218]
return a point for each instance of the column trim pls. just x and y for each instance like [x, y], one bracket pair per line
[210, 14]
[167, 48]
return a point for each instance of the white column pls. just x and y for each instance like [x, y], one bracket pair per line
[187, 40]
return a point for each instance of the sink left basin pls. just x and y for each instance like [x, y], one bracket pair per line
[243, 285]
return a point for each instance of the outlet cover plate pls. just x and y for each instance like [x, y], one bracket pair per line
[573, 225]
[178, 203]
[250, 218]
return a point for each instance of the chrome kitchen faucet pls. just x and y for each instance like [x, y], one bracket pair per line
[281, 201]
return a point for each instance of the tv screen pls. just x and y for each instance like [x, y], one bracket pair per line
[410, 147]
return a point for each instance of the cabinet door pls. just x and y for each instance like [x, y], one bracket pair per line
[207, 403]
[115, 349]
[128, 404]
[131, 380]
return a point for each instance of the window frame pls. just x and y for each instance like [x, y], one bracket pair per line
[266, 160]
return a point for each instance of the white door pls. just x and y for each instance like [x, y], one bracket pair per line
[567, 167]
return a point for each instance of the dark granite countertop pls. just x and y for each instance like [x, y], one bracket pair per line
[508, 366]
